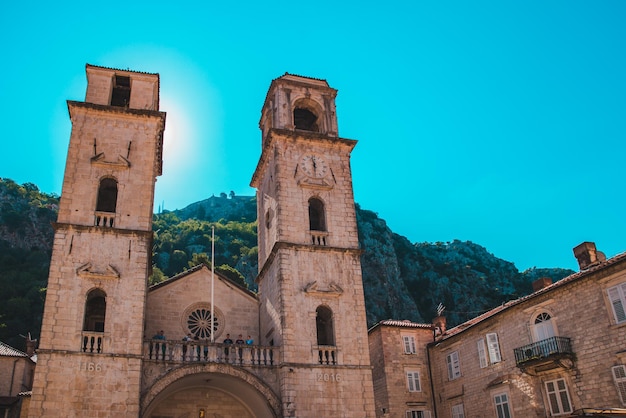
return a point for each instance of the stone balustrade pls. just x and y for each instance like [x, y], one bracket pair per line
[180, 351]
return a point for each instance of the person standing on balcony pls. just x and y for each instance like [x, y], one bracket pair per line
[240, 342]
[160, 336]
[186, 339]
[249, 341]
[227, 343]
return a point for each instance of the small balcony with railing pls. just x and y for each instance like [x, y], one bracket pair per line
[104, 219]
[319, 238]
[204, 351]
[548, 354]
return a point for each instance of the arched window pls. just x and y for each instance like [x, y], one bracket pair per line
[95, 311]
[543, 327]
[107, 195]
[305, 119]
[317, 218]
[324, 325]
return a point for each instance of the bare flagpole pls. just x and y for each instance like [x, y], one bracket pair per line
[212, 283]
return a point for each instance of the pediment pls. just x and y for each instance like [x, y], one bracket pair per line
[312, 183]
[333, 289]
[100, 159]
[87, 271]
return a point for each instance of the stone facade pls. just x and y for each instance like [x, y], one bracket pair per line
[310, 282]
[17, 369]
[111, 346]
[90, 355]
[400, 367]
[552, 353]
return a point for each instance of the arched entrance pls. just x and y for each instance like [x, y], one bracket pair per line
[208, 390]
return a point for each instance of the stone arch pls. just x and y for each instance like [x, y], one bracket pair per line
[95, 310]
[324, 325]
[308, 115]
[237, 382]
[317, 214]
[107, 195]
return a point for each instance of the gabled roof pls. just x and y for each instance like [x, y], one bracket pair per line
[8, 351]
[194, 269]
[557, 285]
[400, 324]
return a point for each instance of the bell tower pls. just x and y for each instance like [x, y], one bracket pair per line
[89, 359]
[310, 284]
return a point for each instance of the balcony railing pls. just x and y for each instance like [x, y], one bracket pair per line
[104, 219]
[92, 342]
[327, 354]
[319, 238]
[544, 349]
[179, 352]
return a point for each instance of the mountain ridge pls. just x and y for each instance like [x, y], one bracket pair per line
[401, 279]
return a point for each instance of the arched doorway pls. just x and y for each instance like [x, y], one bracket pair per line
[210, 390]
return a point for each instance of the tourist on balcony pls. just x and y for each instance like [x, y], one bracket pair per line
[227, 342]
[186, 340]
[240, 342]
[249, 341]
[160, 336]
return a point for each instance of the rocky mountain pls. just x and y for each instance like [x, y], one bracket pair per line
[402, 280]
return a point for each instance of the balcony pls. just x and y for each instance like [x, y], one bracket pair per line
[319, 238]
[92, 342]
[104, 219]
[200, 351]
[544, 355]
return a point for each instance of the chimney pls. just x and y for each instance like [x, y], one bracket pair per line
[439, 324]
[541, 283]
[587, 255]
[30, 346]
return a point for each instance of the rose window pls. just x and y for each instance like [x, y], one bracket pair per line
[199, 323]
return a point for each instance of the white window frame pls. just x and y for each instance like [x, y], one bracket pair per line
[482, 354]
[619, 377]
[454, 365]
[415, 413]
[502, 404]
[413, 381]
[557, 395]
[409, 344]
[494, 348]
[617, 298]
[458, 411]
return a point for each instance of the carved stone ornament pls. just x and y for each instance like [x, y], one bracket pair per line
[333, 289]
[85, 271]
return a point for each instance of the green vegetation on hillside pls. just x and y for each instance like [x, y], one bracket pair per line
[402, 280]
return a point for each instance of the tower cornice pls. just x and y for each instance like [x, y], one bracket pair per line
[282, 245]
[275, 135]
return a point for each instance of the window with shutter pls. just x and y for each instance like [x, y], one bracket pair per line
[413, 381]
[617, 296]
[454, 365]
[494, 348]
[458, 411]
[619, 377]
[409, 344]
[482, 356]
[558, 397]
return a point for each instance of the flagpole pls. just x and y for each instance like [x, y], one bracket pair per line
[212, 283]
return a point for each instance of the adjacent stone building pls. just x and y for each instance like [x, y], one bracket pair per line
[560, 351]
[16, 369]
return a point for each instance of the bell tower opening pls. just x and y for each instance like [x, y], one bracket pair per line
[317, 218]
[107, 195]
[121, 91]
[305, 120]
[95, 311]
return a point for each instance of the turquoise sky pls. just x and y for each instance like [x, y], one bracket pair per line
[497, 122]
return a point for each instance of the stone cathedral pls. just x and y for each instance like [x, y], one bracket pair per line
[197, 344]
